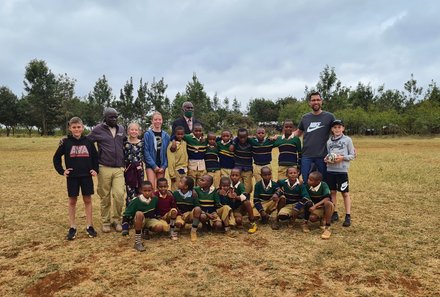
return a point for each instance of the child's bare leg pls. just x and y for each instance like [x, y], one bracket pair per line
[72, 211]
[347, 202]
[328, 211]
[333, 197]
[238, 218]
[248, 206]
[88, 209]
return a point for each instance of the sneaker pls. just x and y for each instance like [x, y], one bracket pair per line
[139, 247]
[117, 226]
[106, 228]
[253, 228]
[326, 234]
[145, 234]
[335, 216]
[124, 233]
[173, 235]
[71, 234]
[193, 236]
[305, 227]
[347, 222]
[91, 232]
[275, 225]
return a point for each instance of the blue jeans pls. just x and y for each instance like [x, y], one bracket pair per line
[306, 167]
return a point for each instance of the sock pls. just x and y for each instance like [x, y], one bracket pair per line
[227, 228]
[73, 226]
[172, 225]
[347, 215]
[88, 226]
[195, 224]
[137, 237]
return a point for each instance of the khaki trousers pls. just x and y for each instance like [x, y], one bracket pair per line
[111, 190]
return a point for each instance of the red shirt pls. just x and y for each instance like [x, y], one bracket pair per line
[165, 203]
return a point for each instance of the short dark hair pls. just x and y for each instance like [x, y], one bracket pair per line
[316, 175]
[240, 130]
[179, 128]
[162, 179]
[189, 181]
[146, 183]
[314, 94]
[197, 125]
[225, 179]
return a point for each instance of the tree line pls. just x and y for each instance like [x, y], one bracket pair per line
[49, 101]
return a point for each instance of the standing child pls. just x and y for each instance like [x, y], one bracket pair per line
[341, 152]
[243, 158]
[226, 153]
[156, 143]
[322, 205]
[142, 209]
[211, 159]
[196, 147]
[188, 205]
[261, 152]
[265, 195]
[294, 197]
[134, 168]
[289, 147]
[166, 207]
[81, 160]
[177, 158]
[209, 200]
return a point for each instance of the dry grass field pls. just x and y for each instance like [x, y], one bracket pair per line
[392, 248]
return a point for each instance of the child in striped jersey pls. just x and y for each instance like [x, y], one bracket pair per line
[243, 158]
[209, 201]
[142, 209]
[265, 195]
[261, 152]
[188, 206]
[294, 198]
[289, 147]
[225, 153]
[196, 148]
[211, 159]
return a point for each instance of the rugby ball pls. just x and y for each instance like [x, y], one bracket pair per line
[331, 158]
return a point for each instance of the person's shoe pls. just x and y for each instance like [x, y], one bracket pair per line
[335, 216]
[91, 232]
[253, 228]
[193, 236]
[264, 219]
[117, 226]
[139, 247]
[347, 222]
[173, 235]
[145, 234]
[305, 227]
[275, 225]
[124, 233]
[71, 234]
[106, 228]
[326, 234]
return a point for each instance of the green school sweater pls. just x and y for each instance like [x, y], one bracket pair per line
[209, 200]
[141, 204]
[184, 202]
[321, 193]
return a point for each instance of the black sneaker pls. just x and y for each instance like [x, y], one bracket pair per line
[91, 232]
[145, 234]
[335, 217]
[347, 222]
[71, 234]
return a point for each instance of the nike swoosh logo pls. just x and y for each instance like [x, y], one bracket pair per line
[344, 186]
[314, 128]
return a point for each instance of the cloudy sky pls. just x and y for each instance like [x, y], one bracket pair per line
[238, 48]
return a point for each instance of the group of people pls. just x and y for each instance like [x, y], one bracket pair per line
[211, 177]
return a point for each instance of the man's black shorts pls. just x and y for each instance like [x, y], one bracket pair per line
[85, 183]
[337, 181]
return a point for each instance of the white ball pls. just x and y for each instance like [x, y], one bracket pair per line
[331, 158]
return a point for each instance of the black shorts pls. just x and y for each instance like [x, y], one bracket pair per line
[83, 182]
[337, 181]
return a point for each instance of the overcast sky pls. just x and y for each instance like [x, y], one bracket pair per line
[244, 49]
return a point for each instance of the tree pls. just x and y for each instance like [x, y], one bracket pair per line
[98, 99]
[125, 104]
[40, 85]
[389, 99]
[264, 110]
[196, 94]
[69, 104]
[294, 111]
[413, 92]
[334, 95]
[362, 96]
[142, 106]
[433, 93]
[159, 101]
[8, 109]
[236, 106]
